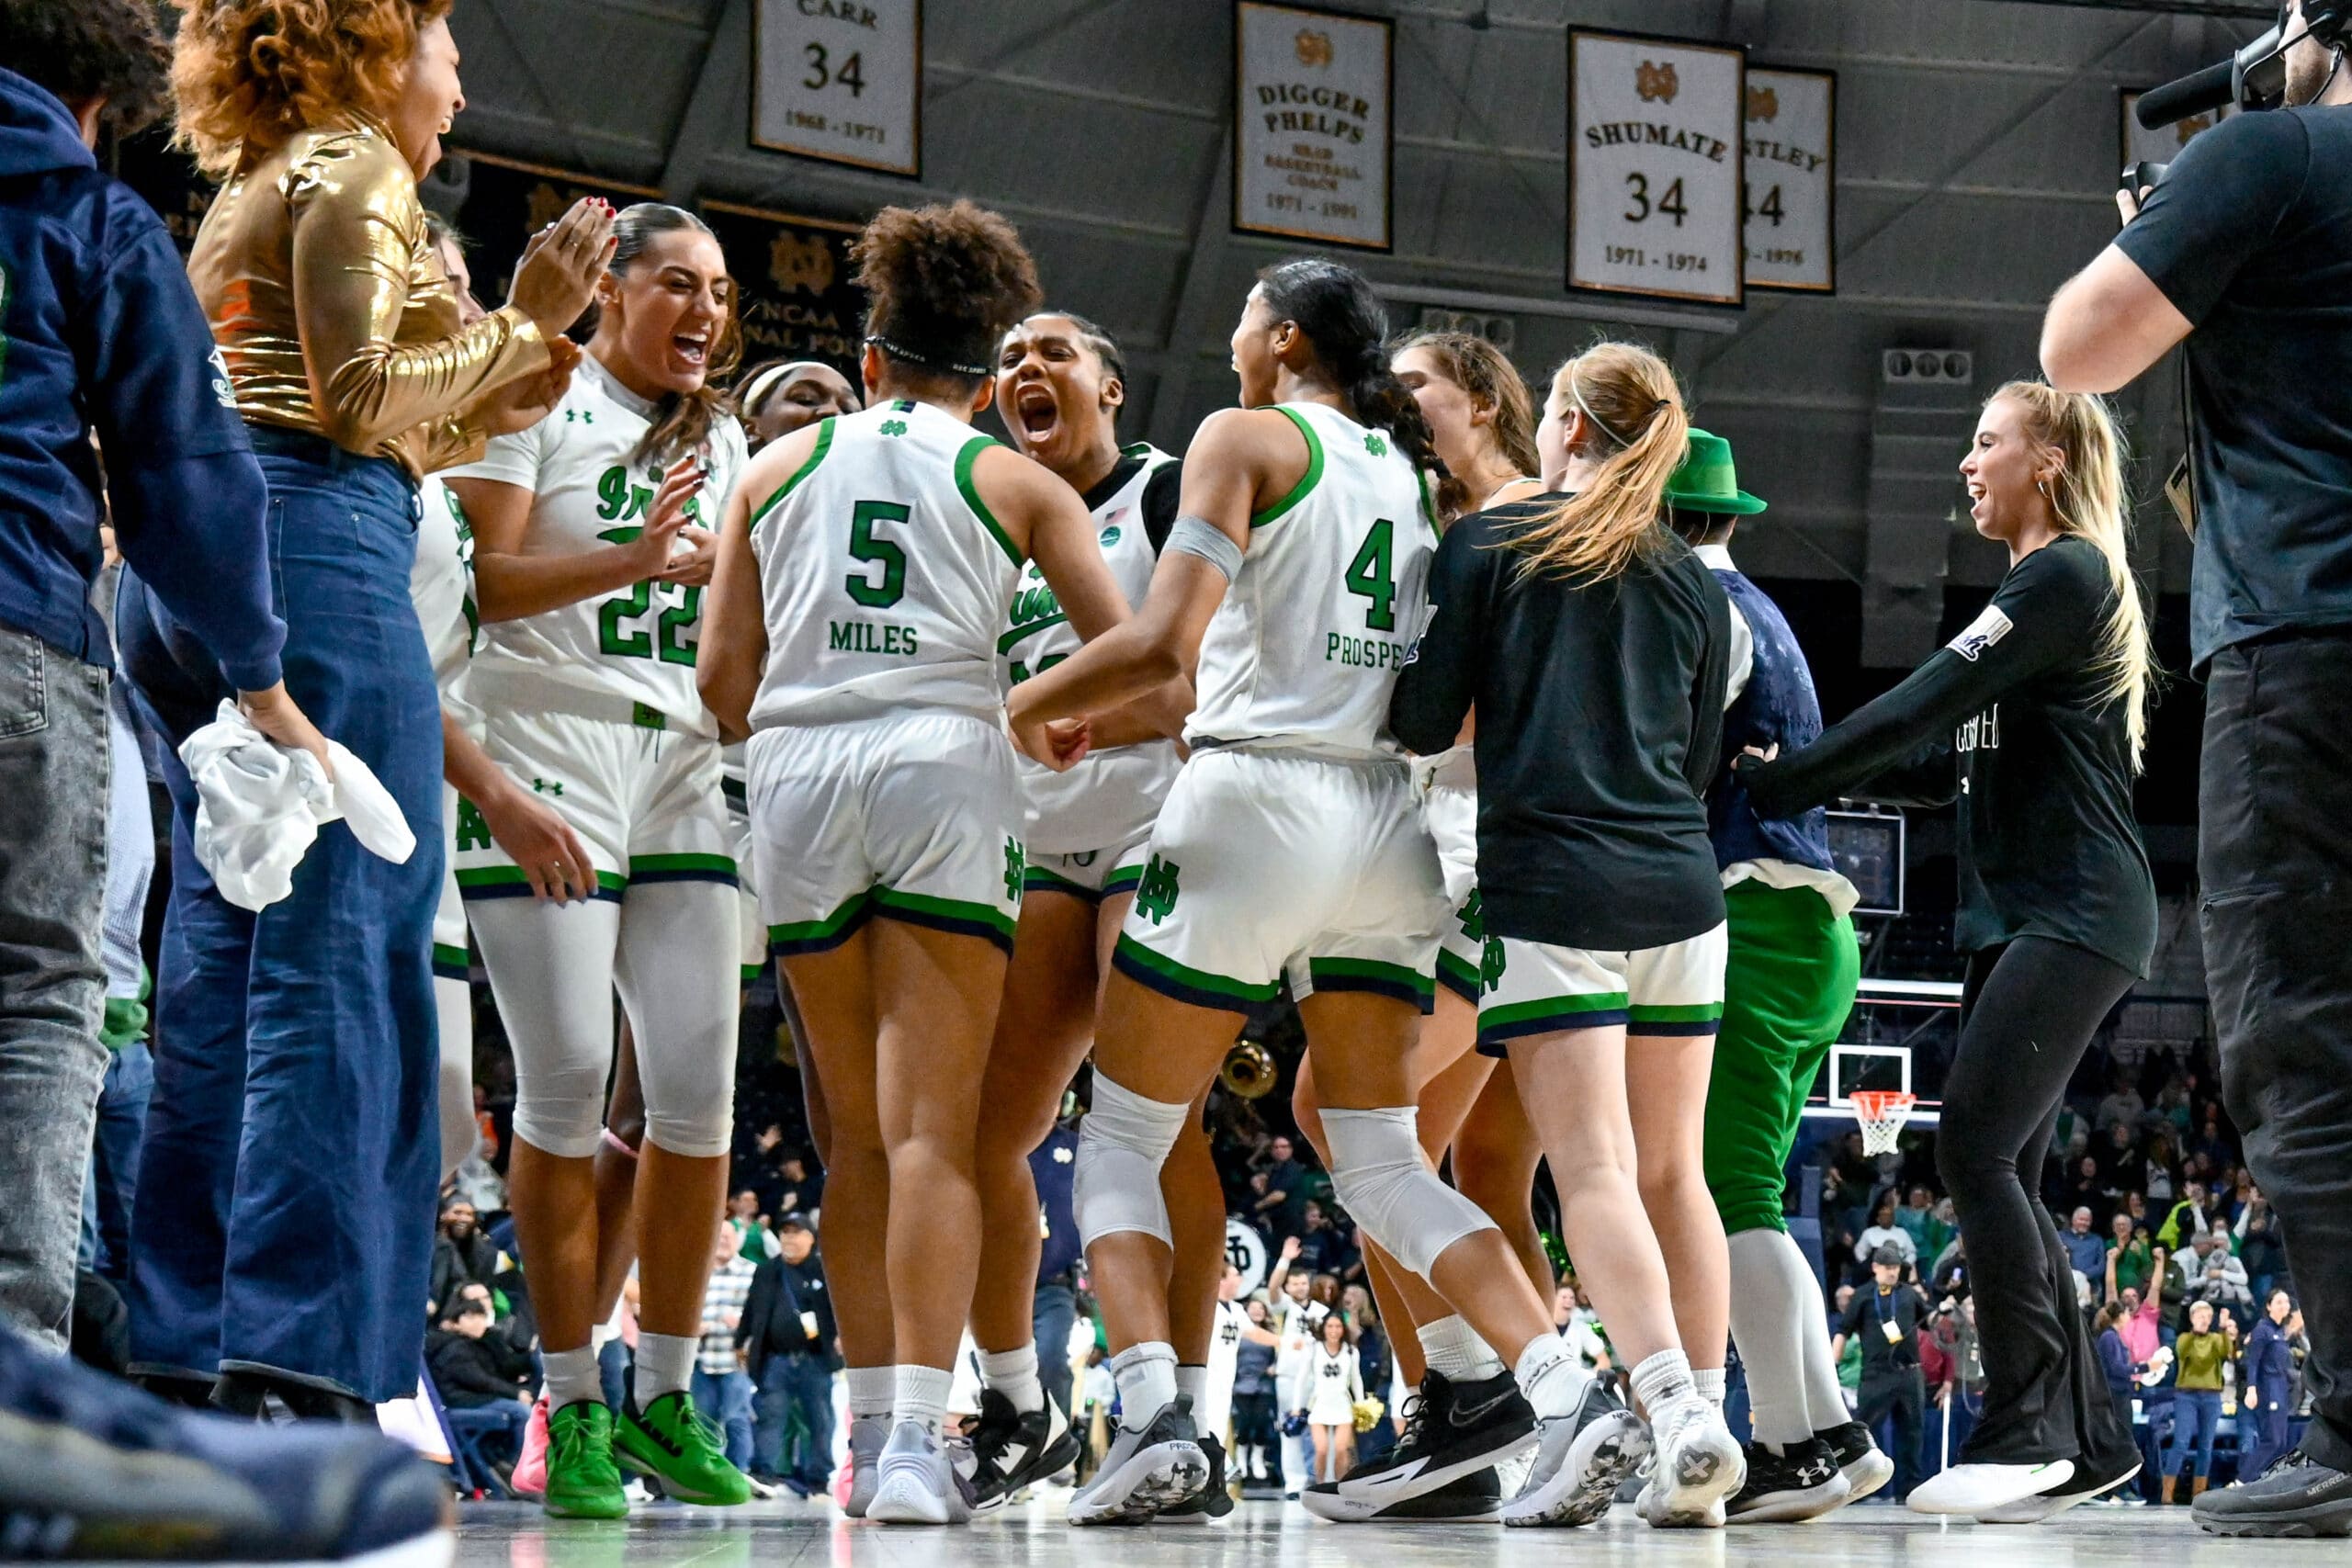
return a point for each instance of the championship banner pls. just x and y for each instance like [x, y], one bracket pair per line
[2163, 144]
[505, 202]
[1314, 146]
[1654, 187]
[1791, 180]
[794, 288]
[840, 80]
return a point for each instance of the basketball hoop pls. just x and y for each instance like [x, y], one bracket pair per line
[1882, 1113]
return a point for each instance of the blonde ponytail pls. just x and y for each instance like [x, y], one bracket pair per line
[2087, 500]
[1630, 395]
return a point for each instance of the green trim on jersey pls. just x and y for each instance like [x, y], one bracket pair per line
[1020, 634]
[1457, 972]
[916, 906]
[453, 960]
[1038, 879]
[1308, 481]
[1122, 879]
[832, 926]
[964, 461]
[1564, 1009]
[816, 455]
[1344, 969]
[1241, 991]
[1687, 1012]
[488, 877]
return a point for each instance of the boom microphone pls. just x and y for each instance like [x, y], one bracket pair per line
[2210, 89]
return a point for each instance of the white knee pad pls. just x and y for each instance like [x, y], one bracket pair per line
[1379, 1175]
[1122, 1144]
[677, 971]
[702, 1128]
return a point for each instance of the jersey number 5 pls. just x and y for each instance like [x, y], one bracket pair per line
[1373, 574]
[864, 546]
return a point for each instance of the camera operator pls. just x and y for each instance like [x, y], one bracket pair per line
[2245, 251]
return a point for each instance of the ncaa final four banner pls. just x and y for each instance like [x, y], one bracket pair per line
[1791, 180]
[840, 80]
[796, 290]
[1314, 147]
[1654, 167]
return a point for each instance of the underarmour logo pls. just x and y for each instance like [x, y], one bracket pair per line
[547, 787]
[1155, 895]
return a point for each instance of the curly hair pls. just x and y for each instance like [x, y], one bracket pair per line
[255, 74]
[81, 50]
[945, 284]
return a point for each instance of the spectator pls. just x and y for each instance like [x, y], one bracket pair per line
[2189, 1217]
[1885, 1320]
[1255, 1441]
[721, 1386]
[788, 1337]
[2214, 1142]
[2199, 1354]
[2123, 1167]
[2115, 1357]
[2220, 1277]
[1323, 1246]
[2128, 1261]
[2140, 1328]
[2122, 1107]
[1884, 1232]
[1281, 1208]
[463, 1254]
[1579, 1325]
[1950, 1276]
[1917, 1218]
[104, 339]
[2269, 1384]
[754, 1241]
[801, 1186]
[2257, 1245]
[479, 1376]
[2087, 1189]
[2086, 1248]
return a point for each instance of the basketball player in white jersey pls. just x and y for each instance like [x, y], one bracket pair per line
[442, 584]
[1291, 842]
[586, 565]
[865, 573]
[1059, 384]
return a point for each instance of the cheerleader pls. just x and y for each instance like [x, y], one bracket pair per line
[1329, 1383]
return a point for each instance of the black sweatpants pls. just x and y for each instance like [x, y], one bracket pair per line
[1899, 1396]
[2027, 1016]
[2274, 854]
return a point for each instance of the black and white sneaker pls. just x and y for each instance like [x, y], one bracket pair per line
[1580, 1460]
[1012, 1450]
[1789, 1486]
[1213, 1502]
[1473, 1499]
[1452, 1430]
[1864, 1464]
[1146, 1472]
[2296, 1496]
[2077, 1489]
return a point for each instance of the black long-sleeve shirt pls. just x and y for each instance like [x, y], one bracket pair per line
[1599, 717]
[2041, 755]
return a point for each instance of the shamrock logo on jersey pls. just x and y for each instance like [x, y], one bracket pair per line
[894, 427]
[1155, 895]
[1374, 445]
[1016, 870]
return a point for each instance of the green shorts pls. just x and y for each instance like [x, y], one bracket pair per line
[1788, 983]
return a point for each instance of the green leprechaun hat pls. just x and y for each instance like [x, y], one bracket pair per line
[1707, 482]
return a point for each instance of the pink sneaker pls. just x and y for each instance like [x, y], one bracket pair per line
[530, 1477]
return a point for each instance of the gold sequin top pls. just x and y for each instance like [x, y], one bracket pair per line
[332, 309]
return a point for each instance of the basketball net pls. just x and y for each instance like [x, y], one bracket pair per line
[1882, 1113]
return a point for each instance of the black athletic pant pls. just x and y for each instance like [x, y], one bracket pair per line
[2274, 854]
[2027, 1017]
[1899, 1396]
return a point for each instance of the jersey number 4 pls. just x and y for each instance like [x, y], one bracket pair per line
[1373, 574]
[865, 547]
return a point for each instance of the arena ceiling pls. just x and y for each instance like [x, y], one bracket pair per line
[1977, 144]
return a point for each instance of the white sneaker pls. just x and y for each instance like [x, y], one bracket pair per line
[1982, 1488]
[2071, 1492]
[1580, 1460]
[868, 1434]
[1146, 1472]
[916, 1483]
[1698, 1465]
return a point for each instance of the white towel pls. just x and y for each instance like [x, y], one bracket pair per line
[259, 806]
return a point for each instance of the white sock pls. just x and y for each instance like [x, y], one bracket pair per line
[1664, 1380]
[1709, 1380]
[1193, 1382]
[1548, 1375]
[872, 1391]
[1775, 1309]
[666, 1364]
[1146, 1378]
[571, 1376]
[1452, 1347]
[922, 1397]
[1013, 1373]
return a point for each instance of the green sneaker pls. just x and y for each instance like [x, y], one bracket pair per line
[582, 1482]
[676, 1444]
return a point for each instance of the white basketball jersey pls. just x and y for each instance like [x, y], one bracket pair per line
[589, 489]
[883, 577]
[441, 583]
[1110, 794]
[1304, 649]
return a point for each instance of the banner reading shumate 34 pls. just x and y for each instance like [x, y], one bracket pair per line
[1313, 142]
[1654, 167]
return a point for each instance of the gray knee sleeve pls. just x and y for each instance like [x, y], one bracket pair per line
[1379, 1175]
[1122, 1144]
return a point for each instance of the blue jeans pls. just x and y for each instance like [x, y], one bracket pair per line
[796, 1401]
[726, 1399]
[285, 1226]
[113, 1187]
[1053, 1312]
[53, 775]
[2196, 1415]
[612, 1370]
